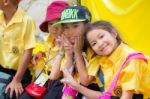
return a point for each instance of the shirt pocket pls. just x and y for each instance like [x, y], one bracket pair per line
[14, 47]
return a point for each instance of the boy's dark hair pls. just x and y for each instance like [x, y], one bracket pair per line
[102, 25]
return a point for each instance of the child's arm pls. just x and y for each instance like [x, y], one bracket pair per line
[55, 72]
[68, 48]
[127, 95]
[15, 84]
[36, 57]
[85, 79]
[90, 94]
[65, 45]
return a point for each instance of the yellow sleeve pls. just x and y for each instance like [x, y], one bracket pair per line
[93, 67]
[135, 76]
[30, 33]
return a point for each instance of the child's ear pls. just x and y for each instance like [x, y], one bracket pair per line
[114, 33]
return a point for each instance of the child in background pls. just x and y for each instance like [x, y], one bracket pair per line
[54, 52]
[111, 52]
[17, 39]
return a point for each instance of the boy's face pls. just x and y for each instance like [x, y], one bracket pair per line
[1, 4]
[55, 31]
[72, 30]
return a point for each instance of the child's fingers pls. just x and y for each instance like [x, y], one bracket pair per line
[33, 61]
[65, 81]
[65, 72]
[65, 39]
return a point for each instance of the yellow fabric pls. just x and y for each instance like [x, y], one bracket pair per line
[134, 76]
[148, 57]
[93, 68]
[15, 37]
[39, 47]
[50, 51]
[131, 17]
[89, 54]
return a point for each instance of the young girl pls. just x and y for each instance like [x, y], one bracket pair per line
[54, 52]
[75, 20]
[111, 52]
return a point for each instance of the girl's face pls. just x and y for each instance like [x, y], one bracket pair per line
[102, 41]
[55, 31]
[72, 30]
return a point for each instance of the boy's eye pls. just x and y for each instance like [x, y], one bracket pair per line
[65, 27]
[50, 23]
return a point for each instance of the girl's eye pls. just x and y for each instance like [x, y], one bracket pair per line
[92, 44]
[100, 36]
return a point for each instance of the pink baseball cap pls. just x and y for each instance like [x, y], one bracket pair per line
[53, 12]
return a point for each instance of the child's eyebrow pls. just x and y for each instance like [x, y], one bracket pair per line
[75, 22]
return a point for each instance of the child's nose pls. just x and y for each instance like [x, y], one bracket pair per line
[54, 29]
[100, 43]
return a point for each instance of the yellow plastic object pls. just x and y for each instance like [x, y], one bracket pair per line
[131, 18]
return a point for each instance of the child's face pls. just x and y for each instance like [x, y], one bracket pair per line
[72, 30]
[102, 41]
[1, 4]
[55, 31]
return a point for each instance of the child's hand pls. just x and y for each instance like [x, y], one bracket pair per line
[59, 40]
[78, 46]
[14, 87]
[68, 47]
[36, 57]
[68, 79]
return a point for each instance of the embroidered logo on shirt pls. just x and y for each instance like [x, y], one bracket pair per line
[118, 91]
[15, 50]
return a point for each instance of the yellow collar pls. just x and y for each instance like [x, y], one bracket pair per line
[117, 54]
[17, 18]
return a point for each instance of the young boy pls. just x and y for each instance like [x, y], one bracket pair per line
[53, 52]
[16, 42]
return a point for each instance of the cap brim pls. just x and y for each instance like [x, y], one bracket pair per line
[68, 21]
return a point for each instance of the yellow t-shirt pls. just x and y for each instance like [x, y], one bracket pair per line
[134, 76]
[15, 37]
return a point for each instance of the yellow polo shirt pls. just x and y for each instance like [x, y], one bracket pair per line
[134, 76]
[15, 37]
